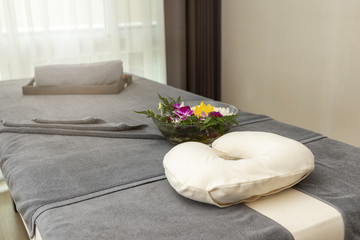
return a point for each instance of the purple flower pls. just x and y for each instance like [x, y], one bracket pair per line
[215, 114]
[176, 106]
[183, 112]
[203, 114]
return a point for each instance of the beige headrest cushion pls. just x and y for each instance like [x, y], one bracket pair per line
[240, 167]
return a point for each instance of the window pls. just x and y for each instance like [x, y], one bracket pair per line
[39, 32]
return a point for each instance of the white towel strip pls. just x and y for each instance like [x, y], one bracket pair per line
[305, 217]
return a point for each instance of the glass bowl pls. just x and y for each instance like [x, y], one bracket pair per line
[176, 134]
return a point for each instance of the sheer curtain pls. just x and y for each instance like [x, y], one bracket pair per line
[39, 32]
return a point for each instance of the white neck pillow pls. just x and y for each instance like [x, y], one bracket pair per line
[240, 167]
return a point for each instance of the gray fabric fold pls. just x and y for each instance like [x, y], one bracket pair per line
[91, 127]
[270, 125]
[85, 120]
[87, 133]
[245, 118]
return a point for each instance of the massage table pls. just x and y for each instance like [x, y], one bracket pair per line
[71, 184]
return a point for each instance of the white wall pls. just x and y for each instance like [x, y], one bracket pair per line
[297, 61]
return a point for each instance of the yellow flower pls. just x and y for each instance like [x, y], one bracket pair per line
[203, 108]
[160, 108]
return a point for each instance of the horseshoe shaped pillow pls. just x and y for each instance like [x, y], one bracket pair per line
[239, 167]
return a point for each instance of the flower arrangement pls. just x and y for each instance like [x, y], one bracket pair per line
[202, 122]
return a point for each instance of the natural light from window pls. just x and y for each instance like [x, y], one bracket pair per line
[40, 32]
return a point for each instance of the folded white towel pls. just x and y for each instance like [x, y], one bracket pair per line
[99, 73]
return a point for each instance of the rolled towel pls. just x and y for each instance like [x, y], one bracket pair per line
[84, 127]
[84, 74]
[85, 120]
[90, 127]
